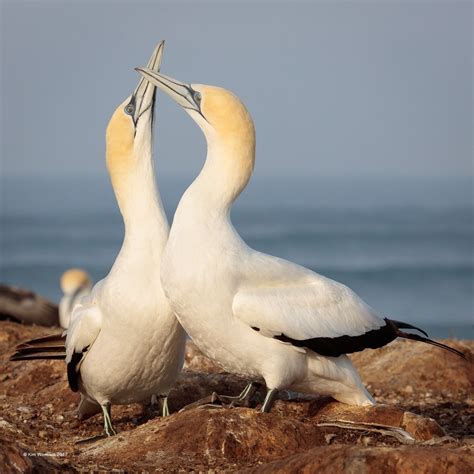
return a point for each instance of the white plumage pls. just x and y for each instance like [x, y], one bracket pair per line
[256, 315]
[304, 306]
[85, 324]
[124, 344]
[232, 299]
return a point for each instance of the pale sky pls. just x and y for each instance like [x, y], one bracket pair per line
[336, 89]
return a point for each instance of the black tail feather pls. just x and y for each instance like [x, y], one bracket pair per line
[51, 356]
[402, 325]
[55, 339]
[416, 337]
[41, 350]
[46, 348]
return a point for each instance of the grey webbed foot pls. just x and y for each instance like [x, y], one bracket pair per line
[226, 401]
[244, 398]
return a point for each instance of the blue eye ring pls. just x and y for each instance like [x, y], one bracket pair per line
[197, 97]
[129, 109]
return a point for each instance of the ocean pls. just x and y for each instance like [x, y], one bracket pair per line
[405, 246]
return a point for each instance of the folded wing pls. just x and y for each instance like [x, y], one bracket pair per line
[85, 326]
[319, 308]
[317, 313]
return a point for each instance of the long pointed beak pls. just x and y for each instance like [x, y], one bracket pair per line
[144, 94]
[183, 94]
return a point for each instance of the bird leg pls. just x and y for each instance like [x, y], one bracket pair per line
[108, 428]
[243, 398]
[269, 398]
[165, 411]
[162, 401]
[225, 401]
[206, 402]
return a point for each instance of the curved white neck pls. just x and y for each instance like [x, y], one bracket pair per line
[226, 172]
[146, 224]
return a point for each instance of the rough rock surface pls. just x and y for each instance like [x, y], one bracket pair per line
[423, 423]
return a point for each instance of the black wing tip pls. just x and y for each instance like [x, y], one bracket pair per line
[374, 339]
[73, 374]
[403, 325]
[337, 346]
[416, 337]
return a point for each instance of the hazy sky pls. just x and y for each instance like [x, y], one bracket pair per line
[335, 88]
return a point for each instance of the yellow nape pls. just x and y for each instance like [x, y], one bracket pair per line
[119, 143]
[227, 114]
[73, 279]
[231, 120]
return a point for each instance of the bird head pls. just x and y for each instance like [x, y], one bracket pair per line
[218, 112]
[73, 280]
[226, 124]
[129, 131]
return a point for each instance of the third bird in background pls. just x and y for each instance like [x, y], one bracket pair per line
[75, 283]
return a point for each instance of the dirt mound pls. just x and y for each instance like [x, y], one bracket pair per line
[423, 422]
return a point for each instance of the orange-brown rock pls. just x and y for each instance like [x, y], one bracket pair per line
[422, 368]
[301, 434]
[381, 416]
[355, 460]
[16, 459]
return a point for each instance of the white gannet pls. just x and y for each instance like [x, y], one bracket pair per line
[124, 344]
[257, 315]
[24, 306]
[75, 283]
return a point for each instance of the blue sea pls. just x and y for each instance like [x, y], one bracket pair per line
[405, 246]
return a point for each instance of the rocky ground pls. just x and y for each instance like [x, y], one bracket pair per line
[423, 424]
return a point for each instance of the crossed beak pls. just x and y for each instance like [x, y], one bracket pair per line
[183, 94]
[143, 98]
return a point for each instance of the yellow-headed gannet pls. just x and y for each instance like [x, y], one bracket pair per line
[124, 344]
[24, 306]
[255, 314]
[75, 283]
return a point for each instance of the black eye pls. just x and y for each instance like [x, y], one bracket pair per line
[197, 97]
[130, 109]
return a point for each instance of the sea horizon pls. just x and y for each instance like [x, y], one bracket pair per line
[404, 245]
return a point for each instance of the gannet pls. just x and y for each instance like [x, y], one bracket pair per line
[25, 306]
[124, 344]
[75, 283]
[257, 315]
